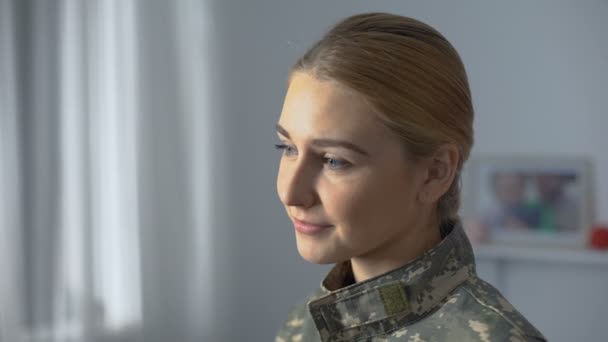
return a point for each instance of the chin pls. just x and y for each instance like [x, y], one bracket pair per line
[316, 254]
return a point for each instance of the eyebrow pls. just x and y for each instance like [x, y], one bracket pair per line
[327, 142]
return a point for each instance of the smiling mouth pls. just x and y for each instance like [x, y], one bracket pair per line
[309, 228]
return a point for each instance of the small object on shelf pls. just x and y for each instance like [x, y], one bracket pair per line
[599, 237]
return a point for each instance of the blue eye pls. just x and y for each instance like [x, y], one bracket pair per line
[332, 163]
[336, 164]
[285, 148]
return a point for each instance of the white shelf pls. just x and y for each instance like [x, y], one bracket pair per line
[490, 252]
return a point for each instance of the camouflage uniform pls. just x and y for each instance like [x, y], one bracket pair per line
[435, 297]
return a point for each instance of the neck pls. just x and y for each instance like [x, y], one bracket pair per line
[415, 241]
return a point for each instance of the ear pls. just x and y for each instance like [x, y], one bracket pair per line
[439, 173]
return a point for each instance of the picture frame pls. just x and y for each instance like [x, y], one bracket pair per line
[528, 200]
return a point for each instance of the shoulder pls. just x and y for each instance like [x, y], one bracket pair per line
[478, 308]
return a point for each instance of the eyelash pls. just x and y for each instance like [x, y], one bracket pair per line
[345, 164]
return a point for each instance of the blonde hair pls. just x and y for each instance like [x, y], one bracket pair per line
[411, 75]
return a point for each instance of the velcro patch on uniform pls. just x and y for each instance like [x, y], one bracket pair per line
[394, 298]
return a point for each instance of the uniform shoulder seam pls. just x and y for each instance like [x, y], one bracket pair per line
[497, 311]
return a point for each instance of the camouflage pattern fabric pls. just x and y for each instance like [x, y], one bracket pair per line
[436, 297]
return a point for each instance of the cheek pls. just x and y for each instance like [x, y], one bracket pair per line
[371, 208]
[280, 186]
[342, 200]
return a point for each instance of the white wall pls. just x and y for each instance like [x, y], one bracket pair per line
[539, 77]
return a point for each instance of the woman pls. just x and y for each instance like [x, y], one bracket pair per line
[376, 124]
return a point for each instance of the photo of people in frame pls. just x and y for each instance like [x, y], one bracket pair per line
[542, 201]
[528, 201]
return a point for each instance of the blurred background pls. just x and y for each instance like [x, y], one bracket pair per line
[137, 168]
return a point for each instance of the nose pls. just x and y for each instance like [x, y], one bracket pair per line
[295, 183]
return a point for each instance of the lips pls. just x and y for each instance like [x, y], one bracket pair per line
[310, 223]
[308, 227]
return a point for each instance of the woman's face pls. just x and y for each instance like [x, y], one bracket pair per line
[342, 168]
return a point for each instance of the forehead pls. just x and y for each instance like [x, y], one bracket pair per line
[314, 108]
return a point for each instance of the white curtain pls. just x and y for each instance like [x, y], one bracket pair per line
[104, 210]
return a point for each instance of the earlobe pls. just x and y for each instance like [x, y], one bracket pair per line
[425, 197]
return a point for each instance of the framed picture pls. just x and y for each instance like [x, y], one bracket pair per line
[529, 201]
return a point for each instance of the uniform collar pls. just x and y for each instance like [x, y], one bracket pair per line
[395, 298]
